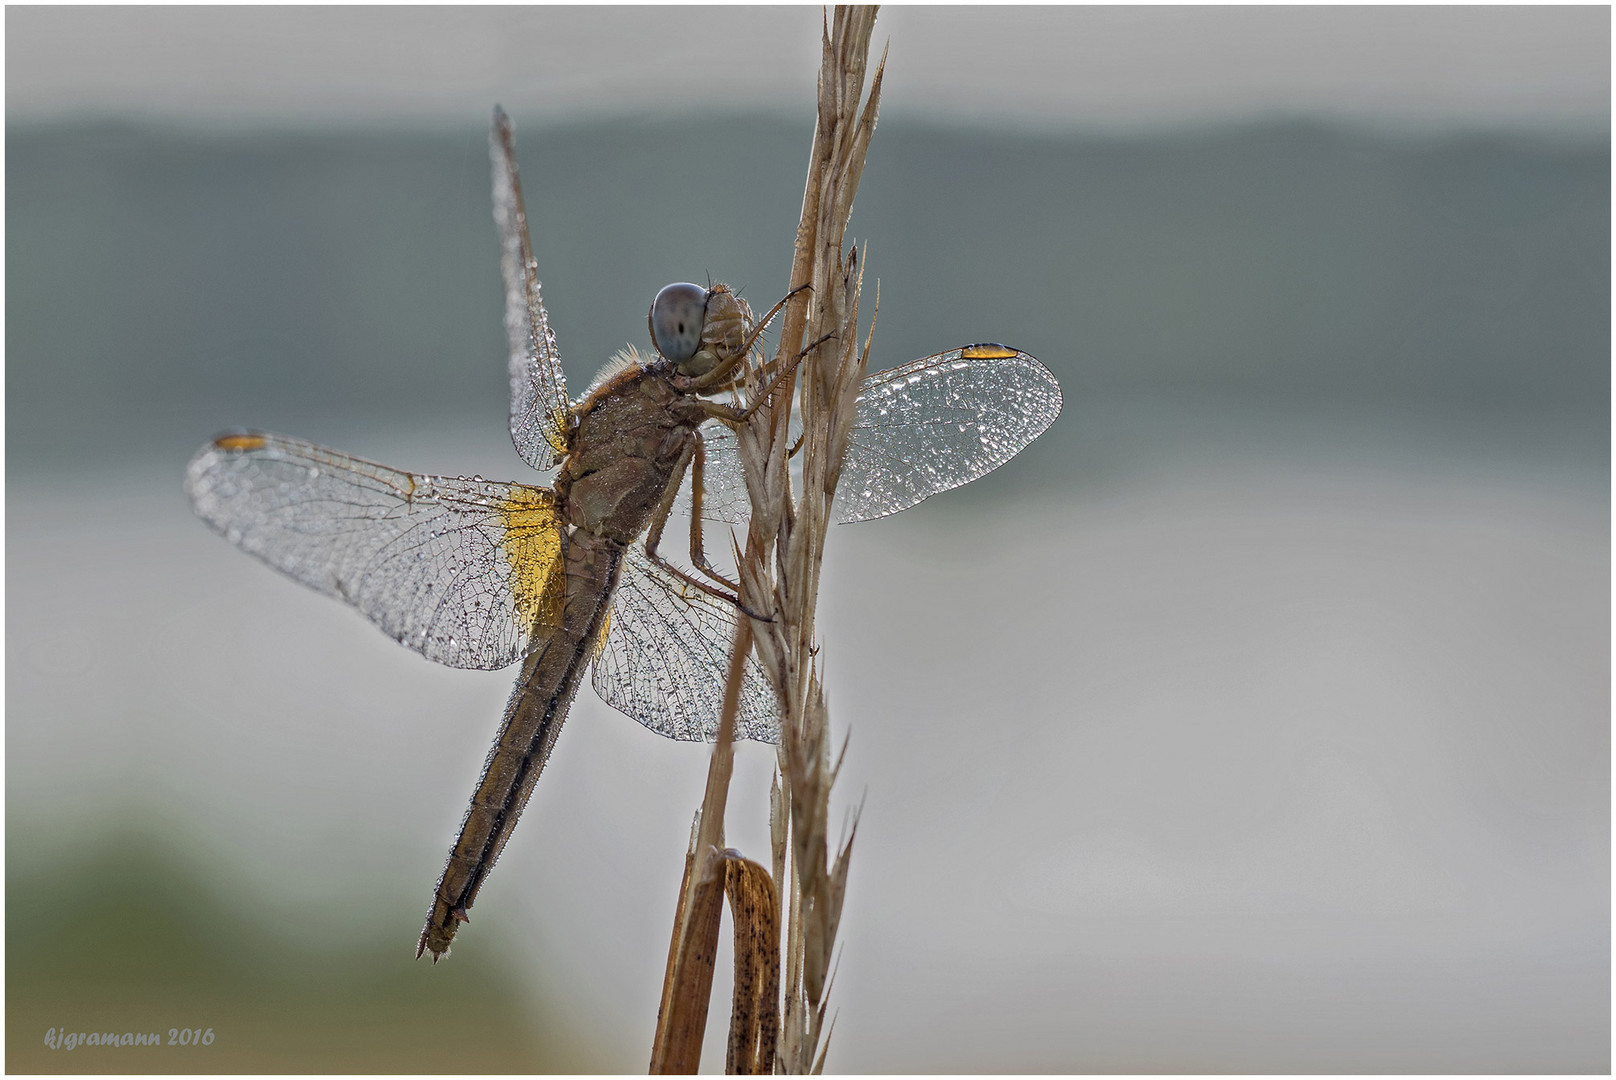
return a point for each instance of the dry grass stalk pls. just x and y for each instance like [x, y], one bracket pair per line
[693, 951]
[779, 576]
[786, 536]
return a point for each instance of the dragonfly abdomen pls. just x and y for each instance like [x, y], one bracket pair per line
[533, 719]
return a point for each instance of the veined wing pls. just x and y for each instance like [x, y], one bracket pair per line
[666, 657]
[724, 496]
[920, 429]
[940, 422]
[539, 405]
[462, 571]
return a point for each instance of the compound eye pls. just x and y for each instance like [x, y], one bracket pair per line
[676, 316]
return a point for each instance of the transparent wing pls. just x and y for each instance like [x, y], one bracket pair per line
[920, 429]
[724, 496]
[462, 571]
[539, 405]
[941, 422]
[666, 657]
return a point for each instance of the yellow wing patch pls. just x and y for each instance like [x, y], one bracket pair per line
[557, 436]
[532, 547]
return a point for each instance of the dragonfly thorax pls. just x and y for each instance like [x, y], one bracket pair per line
[632, 431]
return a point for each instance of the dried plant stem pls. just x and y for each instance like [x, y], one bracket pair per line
[692, 952]
[779, 578]
[786, 536]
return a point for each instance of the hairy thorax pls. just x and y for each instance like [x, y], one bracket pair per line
[631, 432]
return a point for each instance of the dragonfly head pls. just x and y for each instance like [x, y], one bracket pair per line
[703, 333]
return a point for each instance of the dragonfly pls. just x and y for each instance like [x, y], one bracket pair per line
[567, 577]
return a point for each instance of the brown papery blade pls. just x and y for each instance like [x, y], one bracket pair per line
[754, 1019]
[755, 1010]
[683, 1020]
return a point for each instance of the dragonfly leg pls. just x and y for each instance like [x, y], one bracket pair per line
[732, 415]
[768, 316]
[698, 482]
[711, 590]
[659, 521]
[664, 506]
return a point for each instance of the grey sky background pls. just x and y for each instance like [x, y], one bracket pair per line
[1037, 66]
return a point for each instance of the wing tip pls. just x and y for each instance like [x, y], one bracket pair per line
[501, 132]
[992, 350]
[226, 444]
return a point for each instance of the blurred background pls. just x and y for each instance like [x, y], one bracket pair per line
[1254, 719]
